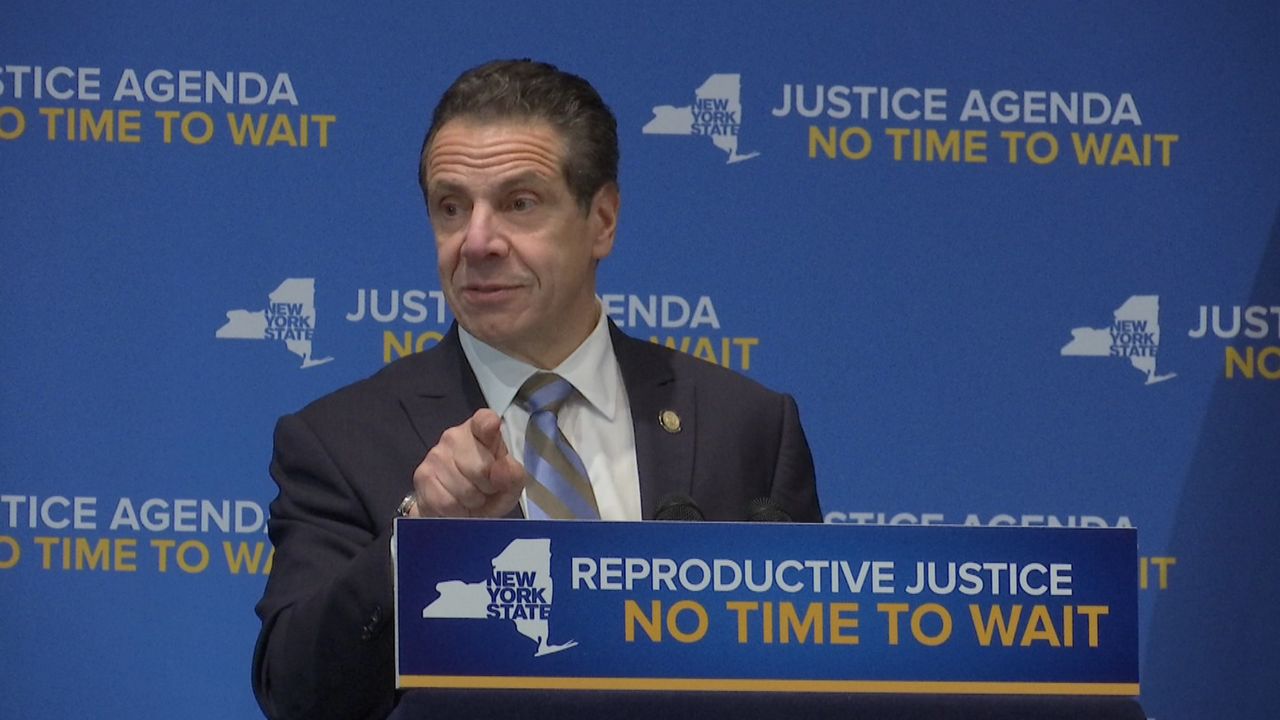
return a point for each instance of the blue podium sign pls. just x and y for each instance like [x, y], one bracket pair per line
[765, 607]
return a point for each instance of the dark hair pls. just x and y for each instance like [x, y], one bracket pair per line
[529, 90]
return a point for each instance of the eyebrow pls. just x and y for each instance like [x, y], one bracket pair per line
[526, 177]
[442, 187]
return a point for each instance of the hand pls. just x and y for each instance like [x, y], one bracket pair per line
[469, 473]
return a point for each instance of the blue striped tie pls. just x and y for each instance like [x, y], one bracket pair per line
[560, 489]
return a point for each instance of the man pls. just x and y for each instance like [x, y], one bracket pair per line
[519, 172]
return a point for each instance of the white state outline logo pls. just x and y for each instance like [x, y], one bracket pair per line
[716, 113]
[519, 583]
[289, 317]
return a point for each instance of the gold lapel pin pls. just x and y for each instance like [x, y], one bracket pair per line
[669, 420]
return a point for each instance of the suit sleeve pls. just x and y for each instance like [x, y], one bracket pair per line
[794, 486]
[325, 649]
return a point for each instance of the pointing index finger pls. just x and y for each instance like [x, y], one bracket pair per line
[486, 428]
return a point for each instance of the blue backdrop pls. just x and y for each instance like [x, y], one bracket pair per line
[986, 317]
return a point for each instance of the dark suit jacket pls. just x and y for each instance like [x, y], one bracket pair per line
[344, 463]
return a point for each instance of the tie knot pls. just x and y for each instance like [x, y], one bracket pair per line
[544, 391]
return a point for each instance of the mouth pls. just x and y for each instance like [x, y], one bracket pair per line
[488, 292]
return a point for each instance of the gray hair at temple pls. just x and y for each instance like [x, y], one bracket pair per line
[528, 90]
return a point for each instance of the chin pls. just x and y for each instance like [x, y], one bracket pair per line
[493, 334]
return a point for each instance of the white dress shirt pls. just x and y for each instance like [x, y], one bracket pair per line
[597, 422]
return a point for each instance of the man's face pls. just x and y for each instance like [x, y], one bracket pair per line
[517, 254]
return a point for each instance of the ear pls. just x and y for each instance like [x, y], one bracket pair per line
[603, 218]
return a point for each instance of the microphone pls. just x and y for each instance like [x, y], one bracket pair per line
[678, 507]
[766, 510]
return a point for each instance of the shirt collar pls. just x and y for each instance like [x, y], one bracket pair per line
[591, 369]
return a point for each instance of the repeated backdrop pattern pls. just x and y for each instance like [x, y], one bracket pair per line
[1019, 264]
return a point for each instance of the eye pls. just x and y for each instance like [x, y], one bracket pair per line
[523, 203]
[449, 208]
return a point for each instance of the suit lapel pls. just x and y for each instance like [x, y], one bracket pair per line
[664, 458]
[445, 391]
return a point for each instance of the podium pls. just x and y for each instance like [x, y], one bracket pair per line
[554, 705]
[517, 618]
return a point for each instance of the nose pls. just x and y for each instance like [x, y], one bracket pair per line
[484, 237]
